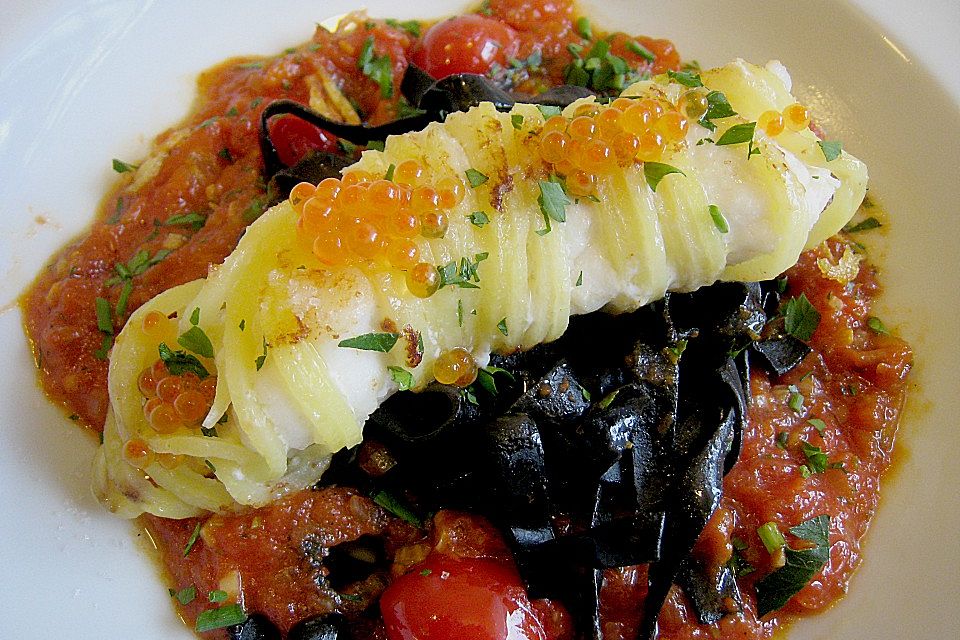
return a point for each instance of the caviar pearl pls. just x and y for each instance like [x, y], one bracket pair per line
[423, 280]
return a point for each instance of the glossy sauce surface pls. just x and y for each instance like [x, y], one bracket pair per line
[208, 187]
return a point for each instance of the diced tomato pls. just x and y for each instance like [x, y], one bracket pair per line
[294, 139]
[465, 44]
[447, 598]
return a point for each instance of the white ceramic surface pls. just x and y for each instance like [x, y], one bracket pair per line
[83, 82]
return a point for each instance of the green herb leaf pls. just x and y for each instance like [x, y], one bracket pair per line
[654, 172]
[192, 540]
[817, 460]
[377, 68]
[402, 377]
[818, 424]
[864, 225]
[194, 339]
[553, 200]
[410, 26]
[717, 107]
[516, 120]
[225, 616]
[217, 596]
[502, 326]
[718, 220]
[738, 562]
[178, 362]
[686, 78]
[123, 167]
[831, 149]
[104, 351]
[381, 342]
[195, 316]
[475, 178]
[635, 47]
[548, 110]
[243, 324]
[478, 218]
[737, 134]
[389, 174]
[800, 318]
[579, 280]
[795, 401]
[392, 504]
[192, 219]
[186, 595]
[771, 537]
[104, 316]
[877, 326]
[462, 275]
[486, 378]
[776, 589]
[583, 28]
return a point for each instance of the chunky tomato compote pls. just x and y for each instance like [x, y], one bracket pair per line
[819, 438]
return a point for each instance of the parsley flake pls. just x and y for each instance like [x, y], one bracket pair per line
[776, 589]
[863, 225]
[737, 134]
[718, 220]
[377, 68]
[262, 357]
[516, 120]
[800, 318]
[475, 178]
[382, 342]
[876, 325]
[123, 167]
[686, 78]
[478, 218]
[502, 326]
[178, 362]
[553, 201]
[402, 377]
[226, 616]
[186, 595]
[192, 540]
[654, 172]
[831, 149]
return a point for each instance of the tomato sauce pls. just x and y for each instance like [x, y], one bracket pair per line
[204, 186]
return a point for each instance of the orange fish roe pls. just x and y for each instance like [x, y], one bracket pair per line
[363, 218]
[174, 402]
[456, 367]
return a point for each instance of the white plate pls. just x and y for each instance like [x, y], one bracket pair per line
[84, 82]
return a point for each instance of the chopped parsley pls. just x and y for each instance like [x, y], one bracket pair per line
[516, 120]
[410, 26]
[502, 326]
[382, 342]
[548, 110]
[831, 149]
[553, 201]
[654, 172]
[225, 616]
[717, 107]
[776, 589]
[402, 377]
[192, 219]
[579, 280]
[377, 68]
[192, 540]
[583, 28]
[478, 218]
[863, 225]
[123, 167]
[737, 134]
[635, 47]
[686, 78]
[876, 325]
[178, 362]
[738, 562]
[475, 178]
[486, 378]
[795, 401]
[217, 596]
[263, 356]
[463, 274]
[392, 504]
[718, 220]
[800, 318]
[600, 70]
[186, 595]
[818, 424]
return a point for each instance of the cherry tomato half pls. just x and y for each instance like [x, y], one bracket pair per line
[447, 598]
[295, 138]
[465, 44]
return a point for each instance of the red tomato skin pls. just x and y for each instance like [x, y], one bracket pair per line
[294, 139]
[465, 44]
[447, 598]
